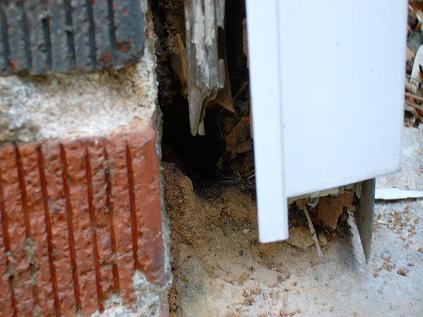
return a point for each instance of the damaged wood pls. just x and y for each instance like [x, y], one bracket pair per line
[207, 69]
[179, 61]
[330, 208]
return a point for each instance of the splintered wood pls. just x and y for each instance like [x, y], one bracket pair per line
[207, 74]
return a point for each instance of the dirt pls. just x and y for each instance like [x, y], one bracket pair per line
[220, 223]
[220, 269]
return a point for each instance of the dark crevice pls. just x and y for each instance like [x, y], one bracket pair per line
[112, 28]
[237, 61]
[91, 31]
[47, 42]
[69, 32]
[196, 156]
[5, 38]
[202, 158]
[27, 37]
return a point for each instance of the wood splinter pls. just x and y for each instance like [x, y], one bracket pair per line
[312, 231]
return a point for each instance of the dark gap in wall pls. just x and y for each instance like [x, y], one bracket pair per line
[234, 29]
[202, 158]
[196, 156]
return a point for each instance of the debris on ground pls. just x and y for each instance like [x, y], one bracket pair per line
[220, 269]
[397, 194]
[414, 66]
[330, 208]
[300, 237]
[402, 271]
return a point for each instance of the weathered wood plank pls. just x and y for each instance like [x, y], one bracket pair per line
[204, 19]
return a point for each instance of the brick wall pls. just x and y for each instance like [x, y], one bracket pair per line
[81, 223]
[78, 219]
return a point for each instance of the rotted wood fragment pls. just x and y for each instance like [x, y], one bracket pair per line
[330, 208]
[179, 61]
[207, 71]
[237, 140]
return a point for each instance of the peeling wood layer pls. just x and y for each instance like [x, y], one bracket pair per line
[207, 71]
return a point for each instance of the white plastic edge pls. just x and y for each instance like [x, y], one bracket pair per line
[263, 44]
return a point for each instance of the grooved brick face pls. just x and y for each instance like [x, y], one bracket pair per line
[77, 219]
[65, 36]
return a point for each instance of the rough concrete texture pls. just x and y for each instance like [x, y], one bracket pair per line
[38, 108]
[70, 107]
[221, 270]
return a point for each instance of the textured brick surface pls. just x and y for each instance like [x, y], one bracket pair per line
[77, 219]
[40, 36]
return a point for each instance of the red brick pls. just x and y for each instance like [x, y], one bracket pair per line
[124, 256]
[59, 228]
[146, 169]
[41, 262]
[75, 156]
[6, 296]
[14, 211]
[78, 218]
[103, 217]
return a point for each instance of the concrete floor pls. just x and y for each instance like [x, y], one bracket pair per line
[223, 271]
